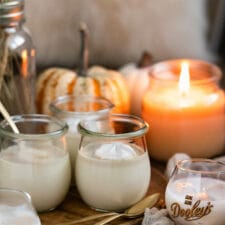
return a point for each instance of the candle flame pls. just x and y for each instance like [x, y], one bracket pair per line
[184, 79]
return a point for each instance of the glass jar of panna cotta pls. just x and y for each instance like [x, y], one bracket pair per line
[16, 208]
[72, 110]
[113, 167]
[36, 160]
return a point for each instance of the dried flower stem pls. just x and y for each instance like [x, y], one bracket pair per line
[9, 65]
[4, 53]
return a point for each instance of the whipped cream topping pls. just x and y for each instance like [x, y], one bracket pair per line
[115, 151]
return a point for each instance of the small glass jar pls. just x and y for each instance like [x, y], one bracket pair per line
[113, 168]
[72, 110]
[195, 193]
[36, 159]
[16, 208]
[189, 120]
[18, 64]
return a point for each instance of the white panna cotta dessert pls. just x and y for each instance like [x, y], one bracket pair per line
[44, 174]
[112, 176]
[11, 215]
[16, 208]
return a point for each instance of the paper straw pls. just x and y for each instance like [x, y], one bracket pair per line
[8, 118]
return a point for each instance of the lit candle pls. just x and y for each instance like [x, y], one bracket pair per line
[184, 107]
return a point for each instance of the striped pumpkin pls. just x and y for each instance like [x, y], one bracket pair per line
[99, 81]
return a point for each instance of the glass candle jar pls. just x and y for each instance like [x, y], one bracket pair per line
[36, 160]
[185, 108]
[72, 110]
[16, 208]
[17, 59]
[195, 193]
[113, 167]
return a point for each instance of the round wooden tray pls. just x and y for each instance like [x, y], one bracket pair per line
[74, 208]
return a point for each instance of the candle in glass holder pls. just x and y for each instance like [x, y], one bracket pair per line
[185, 109]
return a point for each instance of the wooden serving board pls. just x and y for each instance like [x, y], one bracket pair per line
[74, 208]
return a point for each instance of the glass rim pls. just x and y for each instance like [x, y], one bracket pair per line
[116, 117]
[38, 118]
[216, 72]
[17, 191]
[63, 99]
[180, 165]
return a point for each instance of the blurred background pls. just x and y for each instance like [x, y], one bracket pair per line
[121, 30]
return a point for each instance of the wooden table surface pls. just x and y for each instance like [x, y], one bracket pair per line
[74, 208]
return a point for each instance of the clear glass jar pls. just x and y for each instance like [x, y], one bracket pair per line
[113, 168]
[36, 159]
[18, 64]
[191, 122]
[195, 193]
[72, 110]
[16, 208]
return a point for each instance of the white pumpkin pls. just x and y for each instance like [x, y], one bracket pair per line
[137, 80]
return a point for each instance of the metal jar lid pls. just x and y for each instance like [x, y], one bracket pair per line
[11, 12]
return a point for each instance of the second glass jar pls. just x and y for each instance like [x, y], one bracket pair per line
[72, 110]
[113, 168]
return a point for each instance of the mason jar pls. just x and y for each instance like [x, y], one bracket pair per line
[18, 64]
[35, 160]
[113, 167]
